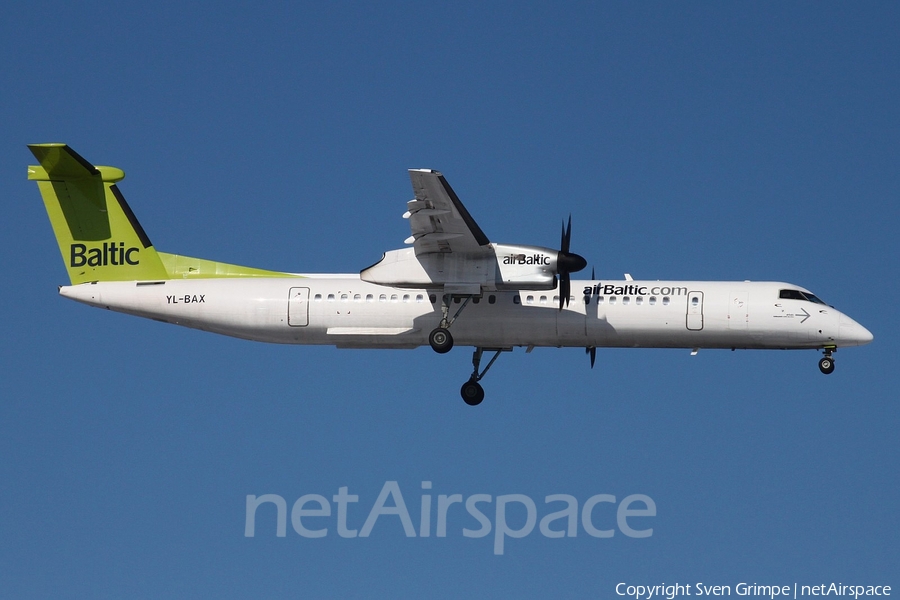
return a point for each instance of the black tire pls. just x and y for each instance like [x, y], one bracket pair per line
[472, 393]
[441, 341]
[826, 365]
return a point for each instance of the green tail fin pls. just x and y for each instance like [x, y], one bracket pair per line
[99, 237]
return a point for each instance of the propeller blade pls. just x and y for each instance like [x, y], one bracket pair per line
[566, 263]
[566, 237]
[565, 288]
[593, 352]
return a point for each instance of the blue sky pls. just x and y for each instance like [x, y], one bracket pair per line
[688, 141]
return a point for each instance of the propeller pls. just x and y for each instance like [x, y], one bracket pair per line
[592, 350]
[567, 263]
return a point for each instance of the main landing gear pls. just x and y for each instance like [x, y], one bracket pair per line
[471, 391]
[440, 339]
[826, 365]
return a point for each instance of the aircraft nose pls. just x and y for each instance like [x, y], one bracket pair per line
[852, 333]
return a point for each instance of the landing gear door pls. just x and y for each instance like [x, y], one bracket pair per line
[298, 307]
[695, 311]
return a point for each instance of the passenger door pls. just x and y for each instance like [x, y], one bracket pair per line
[695, 311]
[298, 307]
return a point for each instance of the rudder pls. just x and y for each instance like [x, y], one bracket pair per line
[98, 235]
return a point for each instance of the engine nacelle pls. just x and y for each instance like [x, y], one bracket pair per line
[526, 267]
[494, 267]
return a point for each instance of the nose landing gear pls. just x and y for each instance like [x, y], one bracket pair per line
[826, 364]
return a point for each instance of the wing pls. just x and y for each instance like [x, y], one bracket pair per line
[439, 221]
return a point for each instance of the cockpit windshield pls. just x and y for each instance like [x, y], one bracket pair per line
[798, 295]
[813, 298]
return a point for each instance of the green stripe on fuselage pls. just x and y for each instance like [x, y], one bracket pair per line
[185, 267]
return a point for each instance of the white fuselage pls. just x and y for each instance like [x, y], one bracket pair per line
[343, 311]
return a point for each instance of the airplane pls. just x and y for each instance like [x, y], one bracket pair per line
[449, 286]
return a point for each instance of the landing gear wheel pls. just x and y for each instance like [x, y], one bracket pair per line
[826, 365]
[441, 341]
[472, 393]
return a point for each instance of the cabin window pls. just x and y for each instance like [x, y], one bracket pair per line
[492, 299]
[612, 299]
[599, 299]
[406, 297]
[652, 300]
[432, 298]
[476, 300]
[344, 297]
[517, 300]
[370, 298]
[382, 298]
[695, 301]
[587, 299]
[331, 297]
[529, 300]
[665, 300]
[457, 299]
[639, 300]
[555, 299]
[357, 298]
[318, 298]
[420, 298]
[394, 297]
[626, 300]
